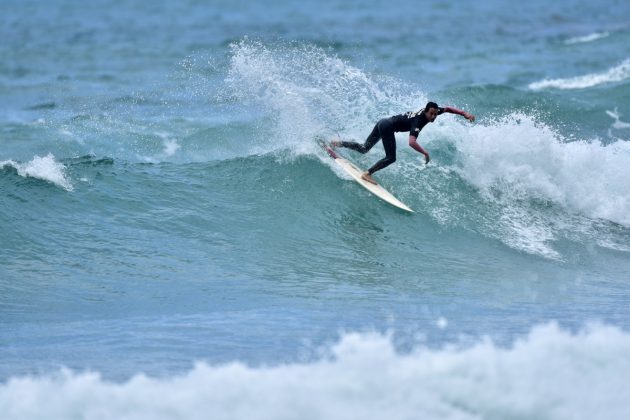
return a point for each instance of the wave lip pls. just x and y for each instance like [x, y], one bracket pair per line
[616, 74]
[45, 168]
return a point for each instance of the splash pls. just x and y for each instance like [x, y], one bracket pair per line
[45, 168]
[548, 373]
[616, 74]
[304, 91]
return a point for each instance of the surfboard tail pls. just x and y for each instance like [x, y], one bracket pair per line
[328, 149]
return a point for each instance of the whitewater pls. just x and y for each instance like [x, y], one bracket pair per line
[458, 382]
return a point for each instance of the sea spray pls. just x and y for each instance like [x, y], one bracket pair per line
[307, 92]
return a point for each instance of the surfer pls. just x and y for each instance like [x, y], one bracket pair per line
[412, 121]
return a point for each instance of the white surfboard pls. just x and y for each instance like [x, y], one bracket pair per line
[356, 173]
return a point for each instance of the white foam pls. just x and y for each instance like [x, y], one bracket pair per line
[550, 373]
[524, 159]
[45, 168]
[615, 74]
[586, 38]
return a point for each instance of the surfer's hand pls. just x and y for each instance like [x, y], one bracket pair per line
[426, 158]
[469, 117]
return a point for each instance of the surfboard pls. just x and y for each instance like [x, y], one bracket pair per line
[356, 173]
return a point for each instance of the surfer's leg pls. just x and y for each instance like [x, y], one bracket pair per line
[389, 144]
[371, 140]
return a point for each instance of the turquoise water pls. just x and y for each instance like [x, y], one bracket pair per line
[176, 245]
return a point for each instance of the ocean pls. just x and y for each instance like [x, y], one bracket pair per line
[175, 245]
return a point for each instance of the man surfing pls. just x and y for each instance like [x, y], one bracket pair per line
[412, 121]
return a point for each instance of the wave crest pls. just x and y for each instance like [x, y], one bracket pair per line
[45, 168]
[616, 74]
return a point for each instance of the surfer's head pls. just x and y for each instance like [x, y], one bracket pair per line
[431, 111]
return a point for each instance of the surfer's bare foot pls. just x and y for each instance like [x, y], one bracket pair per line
[335, 143]
[367, 177]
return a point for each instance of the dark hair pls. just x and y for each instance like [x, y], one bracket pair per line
[430, 105]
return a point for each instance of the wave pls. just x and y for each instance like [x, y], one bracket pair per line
[616, 74]
[549, 373]
[513, 178]
[45, 168]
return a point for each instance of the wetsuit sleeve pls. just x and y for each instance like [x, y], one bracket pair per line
[452, 110]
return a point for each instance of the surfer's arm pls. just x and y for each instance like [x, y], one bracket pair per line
[464, 114]
[413, 143]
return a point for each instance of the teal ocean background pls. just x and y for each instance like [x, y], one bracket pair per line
[175, 245]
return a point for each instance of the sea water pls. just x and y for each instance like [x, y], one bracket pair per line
[175, 245]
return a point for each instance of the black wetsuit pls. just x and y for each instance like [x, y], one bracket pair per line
[412, 121]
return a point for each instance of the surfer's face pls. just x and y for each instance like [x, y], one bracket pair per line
[431, 114]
